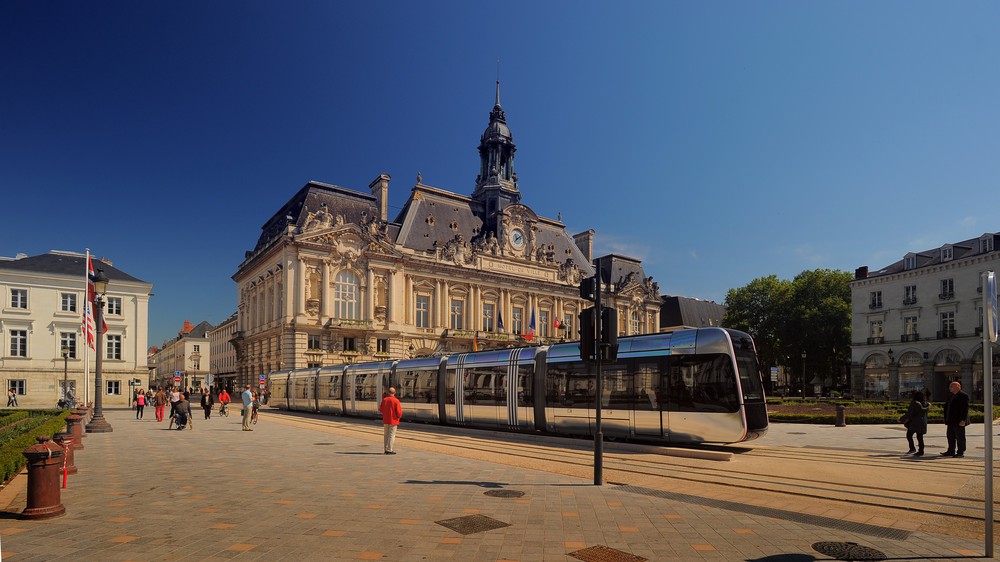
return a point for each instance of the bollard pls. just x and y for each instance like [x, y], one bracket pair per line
[841, 416]
[84, 413]
[74, 426]
[44, 464]
[65, 440]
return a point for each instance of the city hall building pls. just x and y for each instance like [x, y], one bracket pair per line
[917, 323]
[332, 280]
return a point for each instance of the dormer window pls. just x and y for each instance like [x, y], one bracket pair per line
[910, 261]
[946, 253]
[986, 244]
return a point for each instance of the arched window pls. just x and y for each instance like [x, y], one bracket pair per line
[346, 295]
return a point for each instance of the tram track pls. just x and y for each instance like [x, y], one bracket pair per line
[761, 474]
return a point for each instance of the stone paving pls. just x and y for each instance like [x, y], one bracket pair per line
[289, 493]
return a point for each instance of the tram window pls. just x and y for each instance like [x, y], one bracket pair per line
[702, 383]
[524, 394]
[334, 384]
[501, 388]
[482, 385]
[750, 382]
[569, 385]
[424, 386]
[449, 386]
[646, 382]
[617, 390]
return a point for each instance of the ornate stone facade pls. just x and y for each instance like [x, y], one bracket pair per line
[332, 280]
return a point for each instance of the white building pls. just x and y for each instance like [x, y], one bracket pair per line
[223, 366]
[917, 323]
[41, 316]
[187, 356]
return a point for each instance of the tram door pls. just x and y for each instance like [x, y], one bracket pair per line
[650, 416]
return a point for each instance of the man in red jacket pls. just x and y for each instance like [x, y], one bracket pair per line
[392, 411]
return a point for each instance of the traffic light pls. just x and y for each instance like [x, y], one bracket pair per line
[609, 333]
[587, 334]
[588, 289]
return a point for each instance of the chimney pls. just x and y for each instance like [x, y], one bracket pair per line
[585, 241]
[861, 272]
[187, 327]
[380, 190]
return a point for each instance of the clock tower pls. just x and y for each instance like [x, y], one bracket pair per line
[496, 185]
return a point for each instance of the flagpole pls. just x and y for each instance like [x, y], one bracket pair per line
[86, 345]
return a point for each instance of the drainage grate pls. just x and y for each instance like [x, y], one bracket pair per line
[848, 551]
[605, 554]
[817, 520]
[472, 524]
[504, 493]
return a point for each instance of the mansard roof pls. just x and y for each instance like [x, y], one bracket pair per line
[64, 263]
[695, 313]
[927, 258]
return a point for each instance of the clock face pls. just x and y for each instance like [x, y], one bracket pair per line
[517, 238]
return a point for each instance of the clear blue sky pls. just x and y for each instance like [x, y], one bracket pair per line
[716, 141]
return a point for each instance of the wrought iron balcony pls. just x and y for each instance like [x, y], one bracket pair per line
[875, 341]
[947, 296]
[909, 301]
[909, 337]
[945, 334]
[875, 305]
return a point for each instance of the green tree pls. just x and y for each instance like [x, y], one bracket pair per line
[810, 314]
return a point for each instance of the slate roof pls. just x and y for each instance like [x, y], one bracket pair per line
[684, 311]
[64, 263]
[927, 258]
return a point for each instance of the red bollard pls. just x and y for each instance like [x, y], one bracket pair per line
[65, 440]
[74, 426]
[84, 413]
[44, 464]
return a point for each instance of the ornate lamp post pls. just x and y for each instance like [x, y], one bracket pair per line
[98, 424]
[65, 396]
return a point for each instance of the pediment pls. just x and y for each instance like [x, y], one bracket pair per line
[349, 239]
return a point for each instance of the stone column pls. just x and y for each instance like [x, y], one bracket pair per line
[436, 306]
[894, 380]
[369, 297]
[929, 381]
[300, 288]
[325, 305]
[857, 380]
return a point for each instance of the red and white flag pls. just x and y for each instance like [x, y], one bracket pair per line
[88, 307]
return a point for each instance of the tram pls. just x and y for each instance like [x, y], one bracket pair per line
[698, 385]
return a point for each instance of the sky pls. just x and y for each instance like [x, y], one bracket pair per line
[718, 142]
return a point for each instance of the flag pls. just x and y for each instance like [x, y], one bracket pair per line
[531, 327]
[499, 321]
[475, 341]
[91, 295]
[557, 324]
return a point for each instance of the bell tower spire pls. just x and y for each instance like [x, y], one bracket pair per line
[496, 184]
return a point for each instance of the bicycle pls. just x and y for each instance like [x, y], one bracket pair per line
[224, 409]
[253, 416]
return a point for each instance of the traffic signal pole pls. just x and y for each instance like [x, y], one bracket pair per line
[598, 352]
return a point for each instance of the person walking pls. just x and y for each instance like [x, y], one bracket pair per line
[11, 398]
[392, 412]
[956, 417]
[160, 400]
[247, 408]
[175, 397]
[207, 401]
[140, 404]
[916, 422]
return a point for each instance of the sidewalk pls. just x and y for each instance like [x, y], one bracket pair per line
[288, 493]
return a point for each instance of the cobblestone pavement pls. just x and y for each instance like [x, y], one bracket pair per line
[286, 492]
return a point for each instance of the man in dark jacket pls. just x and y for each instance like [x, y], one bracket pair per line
[956, 417]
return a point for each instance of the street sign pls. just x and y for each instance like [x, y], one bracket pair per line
[177, 379]
[774, 374]
[991, 293]
[263, 380]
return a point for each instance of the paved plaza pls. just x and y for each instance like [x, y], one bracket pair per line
[325, 491]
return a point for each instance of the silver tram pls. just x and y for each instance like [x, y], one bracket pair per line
[690, 386]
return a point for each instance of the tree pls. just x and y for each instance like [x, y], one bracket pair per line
[810, 314]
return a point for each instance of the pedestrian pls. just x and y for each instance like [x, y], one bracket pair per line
[392, 411]
[160, 400]
[247, 408]
[207, 401]
[140, 404]
[175, 397]
[256, 407]
[11, 398]
[956, 417]
[224, 399]
[182, 414]
[916, 422]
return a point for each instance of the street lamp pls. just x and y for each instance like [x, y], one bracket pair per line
[803, 375]
[98, 424]
[65, 397]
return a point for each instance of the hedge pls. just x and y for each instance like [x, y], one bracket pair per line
[12, 459]
[13, 417]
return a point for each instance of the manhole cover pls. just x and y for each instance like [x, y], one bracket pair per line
[504, 493]
[472, 524]
[605, 554]
[848, 551]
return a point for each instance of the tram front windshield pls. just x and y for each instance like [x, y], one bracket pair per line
[746, 362]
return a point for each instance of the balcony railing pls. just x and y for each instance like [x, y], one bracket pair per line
[875, 305]
[945, 334]
[909, 337]
[947, 296]
[875, 341]
[909, 301]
